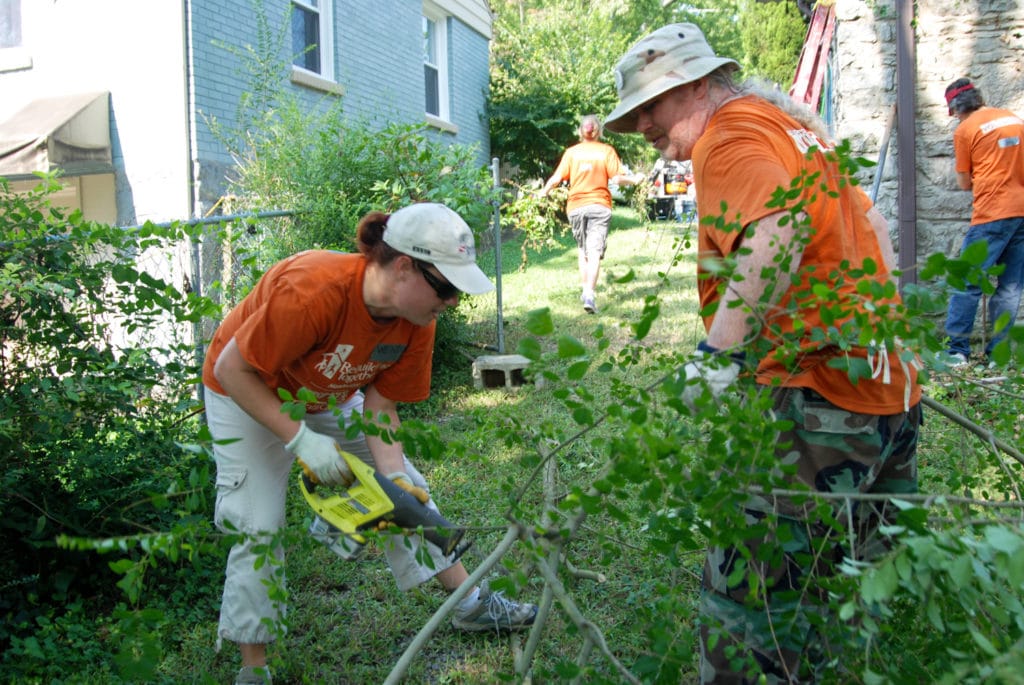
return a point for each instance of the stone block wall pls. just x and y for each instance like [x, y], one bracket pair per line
[979, 39]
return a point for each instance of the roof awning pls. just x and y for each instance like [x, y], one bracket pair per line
[71, 132]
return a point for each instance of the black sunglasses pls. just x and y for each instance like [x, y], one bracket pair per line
[444, 289]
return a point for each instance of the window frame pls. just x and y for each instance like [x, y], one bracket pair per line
[325, 47]
[439, 20]
[15, 57]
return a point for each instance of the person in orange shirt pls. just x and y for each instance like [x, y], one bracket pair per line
[795, 259]
[589, 166]
[356, 330]
[988, 145]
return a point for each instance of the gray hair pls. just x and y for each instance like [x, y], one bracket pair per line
[966, 101]
[723, 78]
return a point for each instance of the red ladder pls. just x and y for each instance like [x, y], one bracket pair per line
[810, 70]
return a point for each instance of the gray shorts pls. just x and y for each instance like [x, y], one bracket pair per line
[590, 228]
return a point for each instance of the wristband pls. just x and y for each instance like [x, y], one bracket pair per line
[738, 357]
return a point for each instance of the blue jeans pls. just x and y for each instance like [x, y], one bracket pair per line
[1005, 246]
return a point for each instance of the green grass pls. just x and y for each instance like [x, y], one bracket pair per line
[347, 621]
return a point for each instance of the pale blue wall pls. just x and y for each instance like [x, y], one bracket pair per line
[378, 62]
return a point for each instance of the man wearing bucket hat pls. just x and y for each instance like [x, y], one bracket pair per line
[356, 330]
[988, 145]
[746, 143]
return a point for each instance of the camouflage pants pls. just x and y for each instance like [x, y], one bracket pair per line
[769, 629]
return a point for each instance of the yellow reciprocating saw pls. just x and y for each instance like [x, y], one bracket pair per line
[343, 516]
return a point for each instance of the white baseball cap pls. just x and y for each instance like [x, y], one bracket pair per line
[435, 234]
[674, 55]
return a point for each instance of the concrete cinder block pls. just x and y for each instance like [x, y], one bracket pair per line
[502, 370]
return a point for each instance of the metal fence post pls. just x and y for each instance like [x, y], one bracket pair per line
[495, 168]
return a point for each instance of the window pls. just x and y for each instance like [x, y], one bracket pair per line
[435, 66]
[13, 55]
[10, 24]
[312, 37]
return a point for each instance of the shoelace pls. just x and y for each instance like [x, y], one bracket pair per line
[499, 607]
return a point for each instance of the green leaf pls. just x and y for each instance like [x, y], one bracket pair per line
[983, 642]
[879, 585]
[583, 416]
[628, 277]
[1003, 539]
[538, 321]
[577, 371]
[934, 613]
[529, 348]
[975, 254]
[569, 347]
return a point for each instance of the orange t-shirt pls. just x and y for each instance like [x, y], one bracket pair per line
[588, 166]
[305, 325]
[748, 151]
[989, 145]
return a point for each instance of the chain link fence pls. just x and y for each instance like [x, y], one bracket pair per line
[220, 261]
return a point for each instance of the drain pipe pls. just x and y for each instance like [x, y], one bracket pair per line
[192, 148]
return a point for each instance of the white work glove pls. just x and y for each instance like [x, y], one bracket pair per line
[708, 369]
[402, 480]
[320, 457]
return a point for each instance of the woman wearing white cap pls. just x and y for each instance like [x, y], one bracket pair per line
[358, 330]
[789, 242]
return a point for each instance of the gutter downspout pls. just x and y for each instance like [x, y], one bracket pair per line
[193, 177]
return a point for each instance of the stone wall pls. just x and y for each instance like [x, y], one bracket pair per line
[978, 39]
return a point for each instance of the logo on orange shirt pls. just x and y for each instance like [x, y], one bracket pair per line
[333, 362]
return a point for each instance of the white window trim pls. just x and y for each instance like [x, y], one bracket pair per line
[15, 59]
[305, 77]
[441, 124]
[440, 20]
[325, 47]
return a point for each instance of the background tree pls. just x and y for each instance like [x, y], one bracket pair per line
[550, 65]
[772, 34]
[553, 61]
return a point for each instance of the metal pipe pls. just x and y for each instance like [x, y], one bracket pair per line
[495, 168]
[219, 219]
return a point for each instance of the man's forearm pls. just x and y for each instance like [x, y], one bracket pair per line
[761, 281]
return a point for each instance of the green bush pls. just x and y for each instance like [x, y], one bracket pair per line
[89, 415]
[331, 172]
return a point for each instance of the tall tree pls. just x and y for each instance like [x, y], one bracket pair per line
[553, 61]
[772, 34]
[549, 66]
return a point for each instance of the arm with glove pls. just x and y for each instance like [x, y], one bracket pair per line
[757, 281]
[319, 454]
[389, 457]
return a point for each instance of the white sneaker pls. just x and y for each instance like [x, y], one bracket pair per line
[253, 675]
[957, 360]
[495, 612]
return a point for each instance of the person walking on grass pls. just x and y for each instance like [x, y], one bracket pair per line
[358, 330]
[589, 166]
[786, 248]
[988, 145]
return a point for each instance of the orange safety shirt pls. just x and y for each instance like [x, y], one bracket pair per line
[749, 150]
[305, 325]
[588, 166]
[989, 145]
